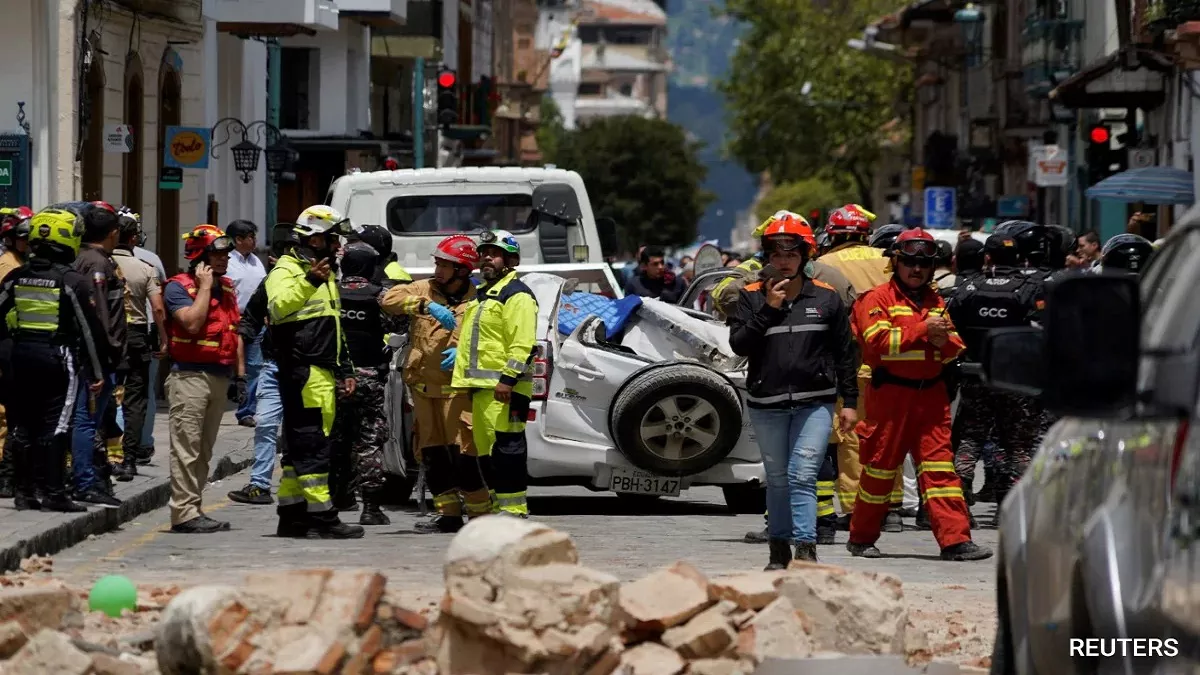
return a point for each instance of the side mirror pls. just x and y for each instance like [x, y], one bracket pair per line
[606, 228]
[1087, 362]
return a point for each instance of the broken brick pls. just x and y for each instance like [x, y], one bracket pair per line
[650, 658]
[103, 664]
[298, 590]
[350, 599]
[48, 652]
[707, 634]
[314, 654]
[402, 654]
[776, 632]
[407, 617]
[368, 647]
[665, 598]
[37, 607]
[12, 638]
[749, 591]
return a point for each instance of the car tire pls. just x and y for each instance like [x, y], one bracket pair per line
[749, 498]
[700, 408]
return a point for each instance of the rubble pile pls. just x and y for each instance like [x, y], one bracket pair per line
[516, 600]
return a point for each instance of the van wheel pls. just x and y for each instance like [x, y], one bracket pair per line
[748, 498]
[679, 419]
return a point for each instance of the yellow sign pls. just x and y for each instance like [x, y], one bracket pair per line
[186, 147]
[918, 178]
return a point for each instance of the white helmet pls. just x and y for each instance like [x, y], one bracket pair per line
[321, 219]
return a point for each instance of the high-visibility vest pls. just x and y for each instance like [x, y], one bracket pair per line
[499, 334]
[217, 342]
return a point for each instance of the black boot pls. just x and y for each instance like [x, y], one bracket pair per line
[807, 551]
[24, 500]
[439, 525]
[966, 551]
[781, 555]
[826, 528]
[129, 466]
[118, 472]
[62, 504]
[335, 529]
[293, 521]
[371, 514]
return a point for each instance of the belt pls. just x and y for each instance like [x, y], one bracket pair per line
[880, 376]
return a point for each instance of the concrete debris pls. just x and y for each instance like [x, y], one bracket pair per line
[516, 600]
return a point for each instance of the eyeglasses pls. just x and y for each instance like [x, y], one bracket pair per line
[784, 243]
[918, 247]
[916, 261]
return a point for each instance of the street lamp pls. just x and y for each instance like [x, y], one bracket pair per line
[280, 155]
[971, 19]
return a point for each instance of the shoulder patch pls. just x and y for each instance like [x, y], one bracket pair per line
[821, 284]
[875, 311]
[754, 286]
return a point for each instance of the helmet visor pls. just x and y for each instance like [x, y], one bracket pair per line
[221, 244]
[917, 248]
[783, 242]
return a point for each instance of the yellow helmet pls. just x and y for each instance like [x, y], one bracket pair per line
[775, 217]
[57, 226]
[321, 219]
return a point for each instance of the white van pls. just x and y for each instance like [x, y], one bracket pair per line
[547, 209]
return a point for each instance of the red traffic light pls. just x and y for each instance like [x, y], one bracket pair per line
[447, 79]
[814, 216]
[1100, 135]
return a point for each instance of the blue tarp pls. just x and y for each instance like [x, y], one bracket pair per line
[576, 307]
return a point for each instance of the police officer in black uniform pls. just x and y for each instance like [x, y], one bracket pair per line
[1002, 296]
[56, 320]
[361, 427]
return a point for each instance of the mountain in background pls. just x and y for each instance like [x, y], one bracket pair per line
[701, 45]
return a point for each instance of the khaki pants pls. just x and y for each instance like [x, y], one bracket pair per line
[197, 401]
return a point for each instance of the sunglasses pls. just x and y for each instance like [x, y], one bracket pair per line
[919, 262]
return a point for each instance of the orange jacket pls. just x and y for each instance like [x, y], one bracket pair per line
[892, 333]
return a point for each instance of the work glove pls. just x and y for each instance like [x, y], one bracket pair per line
[442, 314]
[450, 354]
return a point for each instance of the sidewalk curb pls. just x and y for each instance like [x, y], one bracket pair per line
[155, 496]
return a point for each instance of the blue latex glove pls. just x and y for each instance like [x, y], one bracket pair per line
[450, 354]
[442, 314]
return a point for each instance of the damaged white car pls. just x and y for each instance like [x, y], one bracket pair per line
[647, 406]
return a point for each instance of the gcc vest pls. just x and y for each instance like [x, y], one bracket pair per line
[362, 322]
[217, 341]
[984, 302]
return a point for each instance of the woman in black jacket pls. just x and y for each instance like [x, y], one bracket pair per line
[803, 356]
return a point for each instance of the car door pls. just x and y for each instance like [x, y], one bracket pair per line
[586, 374]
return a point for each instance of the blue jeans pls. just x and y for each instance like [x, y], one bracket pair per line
[254, 365]
[793, 443]
[83, 436]
[151, 405]
[266, 432]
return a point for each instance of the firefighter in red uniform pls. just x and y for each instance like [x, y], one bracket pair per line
[906, 337]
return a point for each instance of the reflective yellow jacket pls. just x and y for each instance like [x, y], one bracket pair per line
[499, 333]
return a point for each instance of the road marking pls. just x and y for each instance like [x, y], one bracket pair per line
[123, 551]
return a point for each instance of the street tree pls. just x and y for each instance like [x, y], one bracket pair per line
[804, 196]
[645, 174]
[550, 129]
[842, 120]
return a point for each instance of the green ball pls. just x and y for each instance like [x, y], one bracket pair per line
[113, 594]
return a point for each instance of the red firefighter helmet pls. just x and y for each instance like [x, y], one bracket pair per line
[204, 238]
[458, 249]
[104, 205]
[849, 219]
[12, 219]
[787, 233]
[916, 243]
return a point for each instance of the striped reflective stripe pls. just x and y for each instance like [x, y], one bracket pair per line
[900, 310]
[515, 365]
[911, 355]
[894, 337]
[937, 311]
[188, 341]
[876, 328]
[944, 493]
[825, 488]
[870, 498]
[791, 397]
[825, 508]
[935, 466]
[813, 328]
[864, 370]
[37, 308]
[881, 474]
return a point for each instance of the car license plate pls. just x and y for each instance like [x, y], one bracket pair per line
[638, 482]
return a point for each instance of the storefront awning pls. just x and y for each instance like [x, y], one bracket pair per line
[1130, 77]
[1151, 185]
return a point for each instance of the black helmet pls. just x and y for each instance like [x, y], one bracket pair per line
[1127, 252]
[1062, 242]
[885, 236]
[1033, 241]
[377, 238]
[359, 260]
[945, 254]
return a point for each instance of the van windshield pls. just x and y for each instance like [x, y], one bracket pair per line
[450, 214]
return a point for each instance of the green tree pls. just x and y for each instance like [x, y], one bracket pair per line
[643, 173]
[550, 131]
[803, 196]
[842, 123]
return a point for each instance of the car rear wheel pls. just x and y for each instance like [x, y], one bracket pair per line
[748, 498]
[679, 419]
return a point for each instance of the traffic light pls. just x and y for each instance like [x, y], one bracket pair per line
[816, 218]
[1102, 159]
[447, 83]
